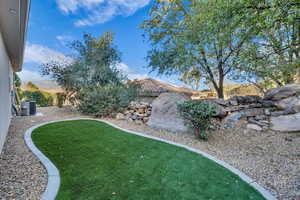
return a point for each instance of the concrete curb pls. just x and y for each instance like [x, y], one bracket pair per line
[53, 173]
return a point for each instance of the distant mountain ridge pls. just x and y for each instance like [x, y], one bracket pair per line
[45, 85]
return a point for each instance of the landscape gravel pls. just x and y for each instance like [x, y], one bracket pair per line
[271, 159]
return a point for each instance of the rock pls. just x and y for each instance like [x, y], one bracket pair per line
[290, 102]
[221, 102]
[267, 112]
[246, 99]
[268, 104]
[279, 93]
[165, 114]
[233, 102]
[259, 123]
[233, 108]
[260, 117]
[286, 123]
[253, 112]
[233, 119]
[254, 127]
[120, 116]
[287, 111]
[220, 111]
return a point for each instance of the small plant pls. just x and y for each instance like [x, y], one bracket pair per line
[198, 115]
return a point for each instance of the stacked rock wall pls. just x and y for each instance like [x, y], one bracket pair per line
[138, 112]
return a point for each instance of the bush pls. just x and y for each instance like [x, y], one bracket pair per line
[198, 115]
[105, 101]
[42, 99]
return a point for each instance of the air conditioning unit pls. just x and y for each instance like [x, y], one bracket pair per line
[28, 108]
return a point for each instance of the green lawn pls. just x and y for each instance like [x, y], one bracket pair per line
[97, 161]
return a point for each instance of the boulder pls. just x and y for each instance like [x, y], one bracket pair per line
[254, 127]
[233, 119]
[246, 99]
[290, 102]
[252, 112]
[220, 110]
[286, 123]
[279, 93]
[287, 111]
[165, 114]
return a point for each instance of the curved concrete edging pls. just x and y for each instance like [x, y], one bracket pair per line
[53, 173]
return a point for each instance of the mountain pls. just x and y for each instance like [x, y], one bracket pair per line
[45, 85]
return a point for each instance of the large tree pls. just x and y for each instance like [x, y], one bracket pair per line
[93, 65]
[91, 80]
[193, 35]
[273, 53]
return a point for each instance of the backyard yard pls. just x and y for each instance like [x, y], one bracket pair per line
[97, 161]
[112, 156]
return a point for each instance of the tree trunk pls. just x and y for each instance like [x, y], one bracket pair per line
[220, 92]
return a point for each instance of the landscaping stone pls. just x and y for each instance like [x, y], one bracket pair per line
[120, 116]
[138, 111]
[233, 119]
[282, 92]
[290, 102]
[286, 123]
[165, 114]
[254, 127]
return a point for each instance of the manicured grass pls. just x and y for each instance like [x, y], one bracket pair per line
[97, 161]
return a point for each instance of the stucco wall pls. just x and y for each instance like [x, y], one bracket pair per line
[5, 87]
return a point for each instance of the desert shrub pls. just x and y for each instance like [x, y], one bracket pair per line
[42, 99]
[197, 115]
[105, 101]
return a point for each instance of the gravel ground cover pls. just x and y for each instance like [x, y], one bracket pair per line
[271, 159]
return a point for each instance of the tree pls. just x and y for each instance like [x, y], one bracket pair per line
[31, 86]
[192, 78]
[93, 65]
[194, 35]
[273, 53]
[91, 81]
[17, 80]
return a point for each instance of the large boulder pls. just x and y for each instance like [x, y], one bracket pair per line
[233, 119]
[289, 103]
[165, 114]
[286, 123]
[279, 93]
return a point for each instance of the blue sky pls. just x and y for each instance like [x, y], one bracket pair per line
[54, 23]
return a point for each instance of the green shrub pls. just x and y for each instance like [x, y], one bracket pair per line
[198, 115]
[42, 99]
[105, 101]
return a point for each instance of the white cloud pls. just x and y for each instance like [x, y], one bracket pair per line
[41, 54]
[27, 75]
[64, 37]
[128, 71]
[100, 11]
[123, 67]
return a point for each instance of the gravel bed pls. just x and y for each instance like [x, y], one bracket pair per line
[271, 159]
[22, 176]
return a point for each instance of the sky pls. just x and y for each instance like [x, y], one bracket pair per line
[54, 23]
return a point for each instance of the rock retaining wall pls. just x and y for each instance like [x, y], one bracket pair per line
[138, 112]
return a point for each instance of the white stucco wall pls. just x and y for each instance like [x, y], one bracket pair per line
[5, 87]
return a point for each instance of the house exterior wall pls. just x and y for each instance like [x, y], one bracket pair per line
[6, 79]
